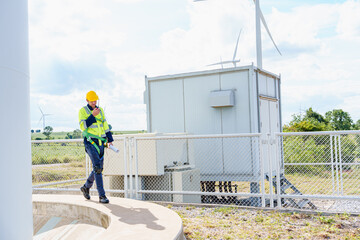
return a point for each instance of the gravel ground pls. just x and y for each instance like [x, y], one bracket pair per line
[346, 206]
[239, 223]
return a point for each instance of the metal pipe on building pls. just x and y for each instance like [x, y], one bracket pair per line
[16, 220]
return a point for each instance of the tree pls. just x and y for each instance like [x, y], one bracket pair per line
[339, 120]
[311, 121]
[357, 125]
[310, 114]
[75, 134]
[47, 131]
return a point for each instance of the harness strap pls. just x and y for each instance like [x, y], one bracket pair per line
[89, 136]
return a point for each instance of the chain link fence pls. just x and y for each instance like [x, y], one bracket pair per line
[321, 170]
[318, 170]
[57, 162]
[63, 166]
[215, 169]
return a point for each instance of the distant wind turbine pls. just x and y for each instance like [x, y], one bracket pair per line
[233, 61]
[258, 17]
[43, 115]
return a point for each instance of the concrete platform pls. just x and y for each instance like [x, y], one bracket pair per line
[73, 217]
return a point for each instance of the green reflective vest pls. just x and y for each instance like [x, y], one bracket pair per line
[99, 128]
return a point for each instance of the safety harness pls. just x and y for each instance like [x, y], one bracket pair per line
[88, 135]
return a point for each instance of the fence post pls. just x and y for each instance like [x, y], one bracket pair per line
[136, 171]
[262, 172]
[336, 165]
[340, 166]
[278, 169]
[87, 165]
[130, 167]
[332, 163]
[270, 170]
[125, 169]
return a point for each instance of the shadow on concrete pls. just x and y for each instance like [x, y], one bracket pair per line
[135, 216]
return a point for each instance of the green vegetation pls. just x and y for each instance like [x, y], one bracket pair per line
[74, 135]
[54, 135]
[47, 131]
[50, 153]
[320, 149]
[334, 120]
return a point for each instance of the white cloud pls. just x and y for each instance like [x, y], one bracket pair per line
[69, 29]
[349, 21]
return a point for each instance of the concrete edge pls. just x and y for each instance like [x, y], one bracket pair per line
[84, 213]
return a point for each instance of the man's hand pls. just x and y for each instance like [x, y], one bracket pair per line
[110, 143]
[96, 111]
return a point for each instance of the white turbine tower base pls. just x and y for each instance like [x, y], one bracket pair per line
[15, 146]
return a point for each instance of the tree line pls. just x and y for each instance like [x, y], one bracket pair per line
[334, 120]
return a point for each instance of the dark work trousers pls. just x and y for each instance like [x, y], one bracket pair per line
[98, 163]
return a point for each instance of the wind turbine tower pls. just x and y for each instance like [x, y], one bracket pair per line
[16, 220]
[43, 115]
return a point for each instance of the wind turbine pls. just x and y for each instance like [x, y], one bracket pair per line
[258, 17]
[233, 61]
[43, 117]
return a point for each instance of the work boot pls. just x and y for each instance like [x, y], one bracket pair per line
[85, 192]
[103, 199]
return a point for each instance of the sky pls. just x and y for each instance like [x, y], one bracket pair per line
[109, 46]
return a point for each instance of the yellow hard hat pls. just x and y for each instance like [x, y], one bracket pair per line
[91, 96]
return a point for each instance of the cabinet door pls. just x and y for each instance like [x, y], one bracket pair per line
[269, 123]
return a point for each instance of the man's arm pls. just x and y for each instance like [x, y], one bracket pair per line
[107, 130]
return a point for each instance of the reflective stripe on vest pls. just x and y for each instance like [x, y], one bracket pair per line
[84, 121]
[95, 126]
[87, 110]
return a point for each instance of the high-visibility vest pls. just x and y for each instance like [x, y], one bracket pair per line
[99, 128]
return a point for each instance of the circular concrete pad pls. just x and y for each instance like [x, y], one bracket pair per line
[73, 217]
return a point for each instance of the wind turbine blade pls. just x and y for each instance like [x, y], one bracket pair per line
[220, 63]
[268, 31]
[41, 111]
[237, 43]
[40, 120]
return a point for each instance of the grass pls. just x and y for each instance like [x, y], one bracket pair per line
[238, 223]
[55, 135]
[50, 153]
[46, 174]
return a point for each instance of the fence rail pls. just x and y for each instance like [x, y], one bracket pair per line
[316, 170]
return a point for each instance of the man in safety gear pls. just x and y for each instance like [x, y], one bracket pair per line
[97, 135]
